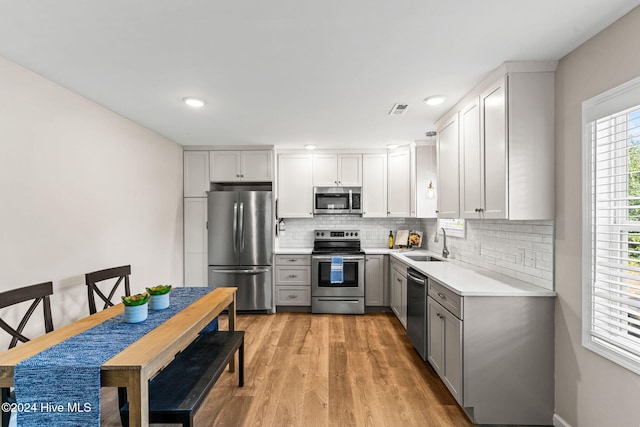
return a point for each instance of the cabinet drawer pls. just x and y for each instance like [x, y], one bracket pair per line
[293, 260]
[400, 267]
[299, 276]
[293, 296]
[447, 298]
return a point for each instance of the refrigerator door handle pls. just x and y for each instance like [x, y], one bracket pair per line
[235, 227]
[250, 271]
[241, 231]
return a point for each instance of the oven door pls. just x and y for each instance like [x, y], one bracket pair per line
[352, 284]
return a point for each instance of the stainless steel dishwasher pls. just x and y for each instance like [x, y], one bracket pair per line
[417, 311]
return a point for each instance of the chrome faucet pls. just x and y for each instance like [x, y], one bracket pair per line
[445, 250]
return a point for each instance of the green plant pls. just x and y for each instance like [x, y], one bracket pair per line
[137, 299]
[159, 290]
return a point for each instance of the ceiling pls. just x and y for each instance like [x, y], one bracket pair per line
[288, 72]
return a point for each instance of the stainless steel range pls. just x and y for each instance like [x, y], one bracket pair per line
[341, 290]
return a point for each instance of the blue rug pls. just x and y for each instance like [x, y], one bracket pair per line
[61, 386]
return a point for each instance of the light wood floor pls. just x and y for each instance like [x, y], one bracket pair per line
[324, 370]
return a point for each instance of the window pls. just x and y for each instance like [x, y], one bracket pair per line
[611, 236]
[453, 227]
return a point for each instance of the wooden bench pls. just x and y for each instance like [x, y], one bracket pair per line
[176, 392]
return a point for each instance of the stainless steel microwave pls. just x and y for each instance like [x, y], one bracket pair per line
[337, 200]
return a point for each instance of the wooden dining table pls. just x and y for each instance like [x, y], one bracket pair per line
[135, 365]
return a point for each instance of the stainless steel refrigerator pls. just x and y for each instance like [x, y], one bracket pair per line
[241, 247]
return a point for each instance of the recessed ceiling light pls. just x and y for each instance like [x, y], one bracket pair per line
[392, 146]
[310, 147]
[434, 100]
[194, 102]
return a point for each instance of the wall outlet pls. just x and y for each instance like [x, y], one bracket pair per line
[529, 258]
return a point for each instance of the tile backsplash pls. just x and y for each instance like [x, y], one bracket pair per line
[374, 232]
[518, 249]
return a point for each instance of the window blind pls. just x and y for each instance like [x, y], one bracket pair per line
[613, 292]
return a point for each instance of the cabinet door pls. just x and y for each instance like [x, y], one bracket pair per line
[295, 186]
[452, 373]
[325, 170]
[471, 162]
[435, 335]
[224, 166]
[196, 173]
[493, 109]
[403, 300]
[195, 242]
[374, 186]
[350, 170]
[399, 184]
[374, 280]
[448, 167]
[396, 293]
[256, 166]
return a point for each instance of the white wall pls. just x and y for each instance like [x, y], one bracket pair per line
[590, 390]
[82, 189]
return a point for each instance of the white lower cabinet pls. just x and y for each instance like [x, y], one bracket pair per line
[398, 290]
[293, 280]
[444, 347]
[195, 241]
[494, 354]
[374, 281]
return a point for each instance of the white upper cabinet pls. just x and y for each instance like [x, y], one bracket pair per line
[234, 166]
[471, 161]
[448, 170]
[196, 173]
[330, 170]
[493, 114]
[399, 184]
[506, 140]
[374, 185]
[295, 186]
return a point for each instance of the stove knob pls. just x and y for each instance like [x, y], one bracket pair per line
[317, 234]
[322, 234]
[356, 234]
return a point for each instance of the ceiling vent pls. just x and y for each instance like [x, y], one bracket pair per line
[398, 109]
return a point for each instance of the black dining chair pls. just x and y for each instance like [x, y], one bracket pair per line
[37, 294]
[94, 279]
[109, 277]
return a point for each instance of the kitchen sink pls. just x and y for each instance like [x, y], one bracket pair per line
[422, 258]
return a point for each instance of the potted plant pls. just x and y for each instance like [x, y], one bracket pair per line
[159, 297]
[136, 307]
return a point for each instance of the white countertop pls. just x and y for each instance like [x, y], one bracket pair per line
[467, 280]
[463, 279]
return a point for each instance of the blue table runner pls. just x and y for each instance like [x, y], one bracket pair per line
[61, 385]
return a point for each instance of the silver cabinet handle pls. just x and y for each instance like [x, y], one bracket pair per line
[293, 260]
[292, 296]
[443, 296]
[417, 279]
[292, 276]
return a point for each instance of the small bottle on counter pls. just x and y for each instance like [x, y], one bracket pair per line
[390, 239]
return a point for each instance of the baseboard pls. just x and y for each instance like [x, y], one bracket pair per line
[559, 422]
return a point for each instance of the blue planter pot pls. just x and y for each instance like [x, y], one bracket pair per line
[159, 302]
[136, 313]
